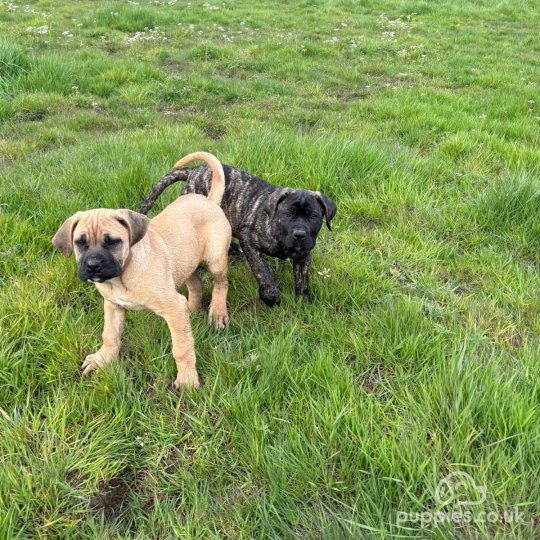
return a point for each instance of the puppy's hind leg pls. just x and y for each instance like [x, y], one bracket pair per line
[219, 240]
[175, 312]
[218, 314]
[194, 286]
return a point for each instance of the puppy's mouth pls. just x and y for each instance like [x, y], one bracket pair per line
[303, 244]
[103, 274]
[297, 252]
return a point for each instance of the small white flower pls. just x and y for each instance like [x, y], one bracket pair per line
[483, 116]
[325, 273]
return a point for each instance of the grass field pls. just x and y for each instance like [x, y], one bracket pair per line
[420, 354]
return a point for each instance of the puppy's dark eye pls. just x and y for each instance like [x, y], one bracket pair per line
[111, 242]
[81, 243]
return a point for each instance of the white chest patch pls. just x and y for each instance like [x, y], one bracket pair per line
[116, 293]
[126, 304]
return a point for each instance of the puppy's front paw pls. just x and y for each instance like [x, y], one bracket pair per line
[270, 295]
[218, 318]
[91, 363]
[187, 377]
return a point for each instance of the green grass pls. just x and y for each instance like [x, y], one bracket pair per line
[420, 355]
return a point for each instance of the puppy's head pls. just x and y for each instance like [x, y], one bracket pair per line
[298, 214]
[101, 240]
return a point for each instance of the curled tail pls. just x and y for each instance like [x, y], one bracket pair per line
[218, 179]
[160, 186]
[217, 188]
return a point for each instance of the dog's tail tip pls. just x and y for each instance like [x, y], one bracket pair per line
[217, 188]
[195, 156]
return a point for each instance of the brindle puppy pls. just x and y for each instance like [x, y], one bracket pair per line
[266, 219]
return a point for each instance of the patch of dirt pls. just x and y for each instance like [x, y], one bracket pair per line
[110, 498]
[461, 290]
[370, 380]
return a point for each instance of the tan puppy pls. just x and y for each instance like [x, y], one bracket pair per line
[138, 263]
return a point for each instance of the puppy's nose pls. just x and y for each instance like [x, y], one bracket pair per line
[93, 264]
[299, 233]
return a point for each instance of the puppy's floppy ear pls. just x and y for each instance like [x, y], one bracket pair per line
[63, 239]
[328, 206]
[135, 223]
[275, 199]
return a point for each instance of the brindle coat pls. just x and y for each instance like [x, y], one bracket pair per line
[266, 219]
